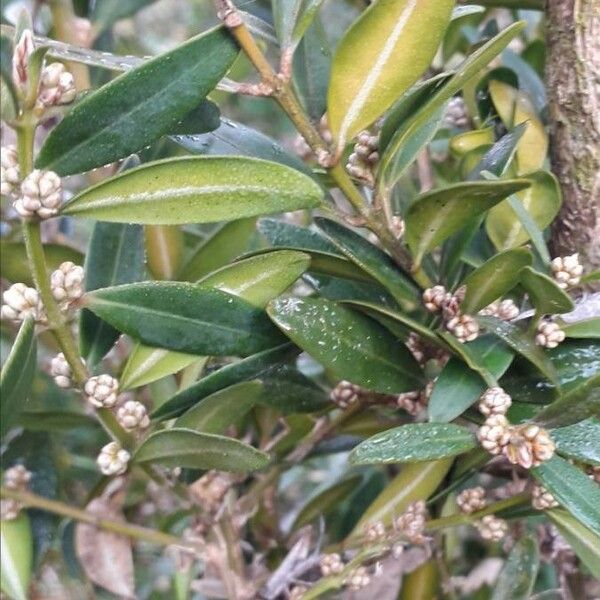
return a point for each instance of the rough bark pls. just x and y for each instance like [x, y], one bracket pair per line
[573, 81]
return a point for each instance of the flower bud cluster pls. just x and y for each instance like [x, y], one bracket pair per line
[303, 149]
[57, 86]
[345, 394]
[15, 478]
[61, 371]
[102, 391]
[456, 115]
[414, 403]
[331, 564]
[67, 283]
[506, 310]
[358, 578]
[567, 270]
[542, 499]
[133, 415]
[364, 157]
[113, 459]
[492, 528]
[9, 170]
[374, 531]
[463, 326]
[471, 500]
[494, 401]
[549, 334]
[41, 195]
[20, 302]
[411, 523]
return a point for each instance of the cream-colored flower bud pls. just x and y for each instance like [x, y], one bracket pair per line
[494, 434]
[567, 270]
[549, 334]
[456, 113]
[464, 327]
[102, 391]
[67, 283]
[358, 578]
[133, 415]
[113, 459]
[9, 170]
[61, 371]
[529, 446]
[411, 523]
[57, 86]
[492, 528]
[17, 477]
[374, 531]
[506, 310]
[345, 394]
[471, 500]
[21, 302]
[41, 195]
[494, 401]
[297, 592]
[10, 509]
[24, 48]
[434, 298]
[542, 499]
[331, 564]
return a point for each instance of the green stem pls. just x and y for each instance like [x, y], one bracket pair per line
[30, 500]
[25, 140]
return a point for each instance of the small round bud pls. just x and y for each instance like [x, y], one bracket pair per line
[492, 528]
[364, 158]
[374, 531]
[17, 478]
[101, 391]
[21, 302]
[567, 270]
[133, 415]
[494, 434]
[414, 403]
[345, 394]
[464, 327]
[549, 334]
[358, 578]
[506, 310]
[57, 86]
[113, 459]
[67, 283]
[456, 115]
[434, 298]
[528, 446]
[471, 500]
[41, 195]
[542, 499]
[331, 564]
[494, 401]
[61, 371]
[9, 170]
[411, 523]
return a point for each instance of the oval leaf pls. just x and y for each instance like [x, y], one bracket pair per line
[580, 441]
[352, 346]
[379, 58]
[185, 317]
[544, 293]
[203, 189]
[517, 578]
[414, 443]
[193, 450]
[139, 106]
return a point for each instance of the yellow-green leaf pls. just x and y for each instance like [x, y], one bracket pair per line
[16, 552]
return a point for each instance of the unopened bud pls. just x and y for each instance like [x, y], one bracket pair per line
[101, 391]
[464, 327]
[57, 86]
[331, 564]
[374, 531]
[492, 528]
[358, 578]
[133, 415]
[24, 48]
[345, 394]
[542, 499]
[494, 434]
[567, 270]
[494, 401]
[61, 371]
[471, 500]
[434, 298]
[528, 446]
[67, 283]
[21, 302]
[549, 334]
[411, 523]
[9, 170]
[113, 459]
[41, 195]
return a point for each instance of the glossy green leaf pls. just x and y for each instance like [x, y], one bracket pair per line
[372, 260]
[225, 244]
[147, 364]
[107, 12]
[587, 328]
[292, 17]
[203, 118]
[470, 140]
[55, 420]
[521, 343]
[336, 288]
[349, 344]
[417, 481]
[282, 234]
[415, 442]
[584, 542]
[185, 318]
[468, 69]
[186, 448]
[544, 293]
[14, 265]
[219, 411]
[252, 367]
[379, 58]
[541, 202]
[457, 387]
[115, 256]
[494, 278]
[580, 441]
[16, 557]
[17, 375]
[573, 489]
[237, 139]
[261, 278]
[203, 189]
[139, 106]
[434, 216]
[517, 578]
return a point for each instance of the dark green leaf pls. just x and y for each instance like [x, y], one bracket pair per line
[282, 234]
[185, 317]
[190, 449]
[17, 375]
[287, 390]
[139, 106]
[252, 367]
[203, 189]
[517, 578]
[352, 346]
[336, 288]
[414, 443]
[204, 118]
[51, 421]
[494, 278]
[107, 12]
[580, 441]
[115, 256]
[544, 293]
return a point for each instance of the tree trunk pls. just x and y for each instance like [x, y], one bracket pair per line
[573, 81]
